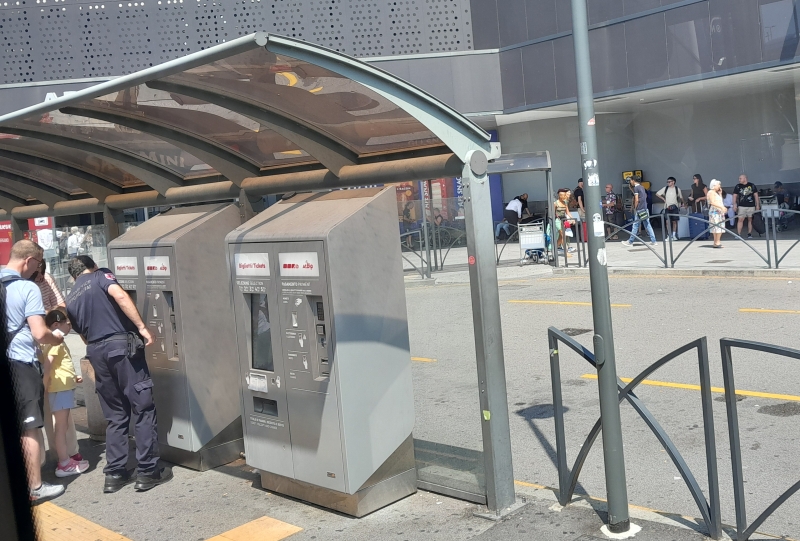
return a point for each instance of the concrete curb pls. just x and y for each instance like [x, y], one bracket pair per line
[754, 273]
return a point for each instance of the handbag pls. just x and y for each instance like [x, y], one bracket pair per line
[643, 214]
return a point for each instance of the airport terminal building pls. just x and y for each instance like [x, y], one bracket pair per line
[681, 87]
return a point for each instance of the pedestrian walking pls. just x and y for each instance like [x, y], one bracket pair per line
[610, 211]
[641, 214]
[108, 321]
[563, 220]
[579, 199]
[745, 204]
[673, 200]
[717, 211]
[26, 327]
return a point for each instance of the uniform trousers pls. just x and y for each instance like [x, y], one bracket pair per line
[125, 390]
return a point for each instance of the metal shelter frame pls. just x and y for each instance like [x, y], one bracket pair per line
[262, 114]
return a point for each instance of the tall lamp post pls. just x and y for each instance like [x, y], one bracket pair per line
[613, 455]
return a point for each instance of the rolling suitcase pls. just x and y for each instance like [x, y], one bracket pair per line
[758, 224]
[696, 226]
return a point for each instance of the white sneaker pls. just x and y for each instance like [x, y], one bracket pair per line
[652, 243]
[45, 491]
[72, 468]
[626, 243]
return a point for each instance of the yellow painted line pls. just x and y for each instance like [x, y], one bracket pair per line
[315, 90]
[54, 523]
[766, 311]
[756, 394]
[292, 78]
[567, 303]
[423, 359]
[262, 529]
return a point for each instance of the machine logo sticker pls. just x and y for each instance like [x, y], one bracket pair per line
[156, 265]
[126, 266]
[251, 264]
[299, 264]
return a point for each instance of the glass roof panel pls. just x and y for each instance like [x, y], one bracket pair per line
[143, 146]
[78, 159]
[45, 176]
[345, 110]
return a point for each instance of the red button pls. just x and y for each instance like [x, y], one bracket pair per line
[471, 260]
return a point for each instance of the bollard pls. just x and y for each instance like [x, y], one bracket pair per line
[95, 419]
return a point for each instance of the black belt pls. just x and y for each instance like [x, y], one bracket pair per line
[114, 336]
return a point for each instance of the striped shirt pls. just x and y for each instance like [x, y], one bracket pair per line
[51, 296]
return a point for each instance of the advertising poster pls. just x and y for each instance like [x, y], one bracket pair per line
[5, 242]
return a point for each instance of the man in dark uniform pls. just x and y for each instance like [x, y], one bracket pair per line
[107, 320]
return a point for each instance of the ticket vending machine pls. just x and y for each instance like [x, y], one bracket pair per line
[327, 398]
[174, 267]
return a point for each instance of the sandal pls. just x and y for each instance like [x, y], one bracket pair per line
[615, 237]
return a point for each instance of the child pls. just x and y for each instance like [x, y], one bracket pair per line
[60, 381]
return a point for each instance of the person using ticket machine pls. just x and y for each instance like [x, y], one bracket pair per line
[108, 321]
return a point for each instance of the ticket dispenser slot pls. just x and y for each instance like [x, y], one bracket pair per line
[320, 334]
[172, 345]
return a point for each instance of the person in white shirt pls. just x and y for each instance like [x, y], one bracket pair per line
[512, 214]
[74, 242]
[673, 200]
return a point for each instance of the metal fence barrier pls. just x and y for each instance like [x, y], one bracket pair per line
[568, 479]
[780, 219]
[743, 530]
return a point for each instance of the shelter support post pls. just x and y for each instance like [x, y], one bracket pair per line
[613, 452]
[249, 205]
[18, 228]
[488, 334]
[111, 219]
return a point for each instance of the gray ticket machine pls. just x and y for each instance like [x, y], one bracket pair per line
[174, 267]
[327, 399]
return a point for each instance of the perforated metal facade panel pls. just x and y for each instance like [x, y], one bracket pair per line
[45, 40]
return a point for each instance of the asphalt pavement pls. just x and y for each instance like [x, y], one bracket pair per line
[653, 315]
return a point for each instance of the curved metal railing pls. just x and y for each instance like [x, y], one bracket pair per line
[743, 531]
[568, 479]
[775, 230]
[767, 259]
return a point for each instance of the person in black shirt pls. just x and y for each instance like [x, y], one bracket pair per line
[745, 204]
[108, 321]
[578, 193]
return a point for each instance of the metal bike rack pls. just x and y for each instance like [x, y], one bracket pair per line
[743, 530]
[568, 479]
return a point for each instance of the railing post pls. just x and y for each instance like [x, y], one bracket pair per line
[558, 417]
[774, 241]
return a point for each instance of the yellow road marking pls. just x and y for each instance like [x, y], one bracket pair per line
[767, 311]
[291, 77]
[262, 529]
[54, 523]
[567, 303]
[423, 359]
[757, 394]
[315, 90]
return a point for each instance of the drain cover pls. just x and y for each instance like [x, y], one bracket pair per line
[569, 331]
[720, 261]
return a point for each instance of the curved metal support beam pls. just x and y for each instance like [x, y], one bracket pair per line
[331, 153]
[454, 130]
[234, 167]
[44, 193]
[9, 201]
[94, 186]
[155, 176]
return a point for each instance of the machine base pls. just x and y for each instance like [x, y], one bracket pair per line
[206, 458]
[361, 503]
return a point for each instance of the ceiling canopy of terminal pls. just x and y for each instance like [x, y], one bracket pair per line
[255, 107]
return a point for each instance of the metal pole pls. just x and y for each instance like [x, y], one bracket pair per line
[551, 219]
[613, 452]
[493, 397]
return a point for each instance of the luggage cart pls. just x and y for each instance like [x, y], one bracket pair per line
[534, 243]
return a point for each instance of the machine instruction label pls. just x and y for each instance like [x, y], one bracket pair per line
[126, 266]
[126, 283]
[301, 264]
[252, 286]
[266, 423]
[157, 285]
[251, 264]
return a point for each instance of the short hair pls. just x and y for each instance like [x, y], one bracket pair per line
[713, 184]
[636, 178]
[74, 229]
[79, 264]
[56, 315]
[672, 179]
[580, 180]
[24, 249]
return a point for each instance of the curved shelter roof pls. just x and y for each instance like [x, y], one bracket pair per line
[262, 113]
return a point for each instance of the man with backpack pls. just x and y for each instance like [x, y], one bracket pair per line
[26, 327]
[673, 200]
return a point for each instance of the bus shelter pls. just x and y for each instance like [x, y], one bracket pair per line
[263, 114]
